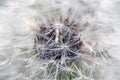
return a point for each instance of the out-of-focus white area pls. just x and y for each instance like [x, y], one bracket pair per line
[112, 17]
[14, 33]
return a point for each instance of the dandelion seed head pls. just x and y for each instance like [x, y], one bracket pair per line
[67, 40]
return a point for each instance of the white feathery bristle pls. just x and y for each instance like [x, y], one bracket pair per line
[99, 31]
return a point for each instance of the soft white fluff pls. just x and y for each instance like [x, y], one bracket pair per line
[19, 20]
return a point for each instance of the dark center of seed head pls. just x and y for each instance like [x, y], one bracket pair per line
[58, 40]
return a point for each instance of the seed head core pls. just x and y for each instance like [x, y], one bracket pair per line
[59, 39]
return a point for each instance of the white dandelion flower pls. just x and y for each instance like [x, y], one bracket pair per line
[59, 40]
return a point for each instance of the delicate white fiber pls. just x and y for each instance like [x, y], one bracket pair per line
[99, 25]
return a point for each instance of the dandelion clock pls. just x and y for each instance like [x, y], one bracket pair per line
[58, 40]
